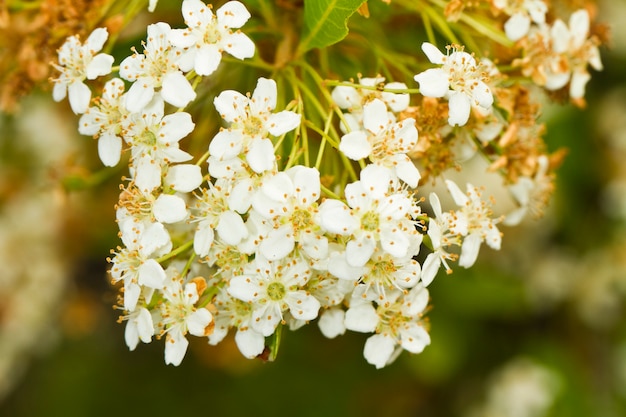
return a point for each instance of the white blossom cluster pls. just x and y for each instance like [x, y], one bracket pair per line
[254, 242]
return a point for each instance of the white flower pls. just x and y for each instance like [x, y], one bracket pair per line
[208, 35]
[156, 68]
[232, 312]
[354, 99]
[78, 62]
[440, 238]
[384, 141]
[136, 264]
[274, 288]
[250, 121]
[154, 142]
[179, 315]
[460, 79]
[289, 200]
[522, 14]
[396, 321]
[472, 221]
[376, 215]
[103, 121]
[572, 43]
[530, 193]
[213, 213]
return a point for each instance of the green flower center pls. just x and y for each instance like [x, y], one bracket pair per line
[276, 291]
[370, 221]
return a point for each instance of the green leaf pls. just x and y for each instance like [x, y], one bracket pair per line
[325, 22]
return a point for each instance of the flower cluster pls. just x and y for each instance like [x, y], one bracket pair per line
[254, 236]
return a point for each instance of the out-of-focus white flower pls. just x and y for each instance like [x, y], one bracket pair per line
[274, 288]
[522, 14]
[384, 141]
[78, 62]
[208, 35]
[104, 122]
[250, 121]
[179, 315]
[460, 79]
[156, 68]
[572, 43]
[530, 193]
[473, 220]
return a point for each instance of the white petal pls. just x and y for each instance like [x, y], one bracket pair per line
[282, 122]
[278, 244]
[250, 343]
[579, 27]
[198, 321]
[460, 198]
[231, 105]
[59, 91]
[96, 39]
[578, 83]
[307, 184]
[346, 97]
[233, 14]
[362, 318]
[182, 38]
[147, 174]
[261, 155]
[378, 350]
[430, 268]
[99, 65]
[336, 217]
[331, 323]
[109, 149]
[183, 178]
[176, 89]
[169, 208]
[358, 252]
[517, 26]
[397, 102]
[415, 338]
[196, 13]
[433, 82]
[264, 96]
[175, 347]
[131, 295]
[407, 171]
[244, 288]
[433, 54]
[139, 95]
[239, 45]
[79, 95]
[482, 95]
[265, 319]
[231, 228]
[459, 107]
[355, 145]
[207, 59]
[340, 268]
[151, 274]
[203, 240]
[226, 144]
[560, 37]
[375, 116]
[303, 306]
[469, 250]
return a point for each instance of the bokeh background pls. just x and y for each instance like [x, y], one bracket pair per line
[537, 329]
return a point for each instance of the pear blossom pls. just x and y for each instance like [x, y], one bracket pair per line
[273, 288]
[289, 200]
[460, 80]
[522, 13]
[474, 222]
[154, 138]
[179, 315]
[135, 264]
[250, 120]
[232, 312]
[156, 68]
[572, 43]
[213, 213]
[384, 141]
[395, 320]
[376, 214]
[208, 35]
[78, 62]
[103, 121]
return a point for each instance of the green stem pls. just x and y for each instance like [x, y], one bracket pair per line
[182, 248]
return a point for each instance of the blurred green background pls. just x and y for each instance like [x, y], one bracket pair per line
[537, 329]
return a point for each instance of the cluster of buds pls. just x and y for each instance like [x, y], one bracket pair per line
[253, 236]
